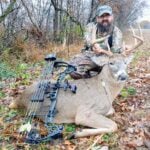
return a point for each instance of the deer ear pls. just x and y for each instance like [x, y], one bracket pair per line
[100, 60]
[129, 59]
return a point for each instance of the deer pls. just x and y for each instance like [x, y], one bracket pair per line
[92, 103]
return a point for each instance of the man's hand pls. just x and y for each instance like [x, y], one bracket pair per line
[98, 50]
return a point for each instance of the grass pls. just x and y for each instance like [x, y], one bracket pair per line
[2, 94]
[6, 71]
[110, 138]
[70, 127]
[129, 91]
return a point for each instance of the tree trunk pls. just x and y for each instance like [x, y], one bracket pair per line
[55, 22]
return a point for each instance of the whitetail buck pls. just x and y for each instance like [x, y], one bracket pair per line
[92, 103]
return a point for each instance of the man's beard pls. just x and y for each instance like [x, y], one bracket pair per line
[104, 28]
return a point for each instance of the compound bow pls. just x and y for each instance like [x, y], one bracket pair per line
[45, 88]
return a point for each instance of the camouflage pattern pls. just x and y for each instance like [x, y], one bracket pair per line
[90, 35]
[83, 61]
[103, 9]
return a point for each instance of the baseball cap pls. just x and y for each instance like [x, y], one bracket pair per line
[103, 9]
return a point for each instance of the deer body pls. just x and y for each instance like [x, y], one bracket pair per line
[88, 107]
[90, 95]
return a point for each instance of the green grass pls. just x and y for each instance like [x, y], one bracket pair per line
[131, 90]
[126, 92]
[2, 94]
[70, 127]
[6, 72]
[110, 139]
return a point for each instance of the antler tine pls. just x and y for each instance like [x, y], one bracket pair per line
[108, 45]
[100, 39]
[109, 53]
[123, 45]
[139, 27]
[139, 39]
[133, 32]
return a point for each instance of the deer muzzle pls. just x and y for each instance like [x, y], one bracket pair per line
[123, 77]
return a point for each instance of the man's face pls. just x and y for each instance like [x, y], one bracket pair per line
[105, 20]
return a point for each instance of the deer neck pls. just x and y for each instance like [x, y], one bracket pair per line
[111, 84]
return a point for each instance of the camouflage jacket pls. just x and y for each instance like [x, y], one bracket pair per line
[91, 34]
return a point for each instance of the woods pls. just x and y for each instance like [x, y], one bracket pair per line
[56, 20]
[31, 29]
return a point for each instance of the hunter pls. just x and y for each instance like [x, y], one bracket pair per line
[102, 26]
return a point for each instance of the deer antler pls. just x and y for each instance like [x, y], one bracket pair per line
[100, 40]
[138, 39]
[109, 53]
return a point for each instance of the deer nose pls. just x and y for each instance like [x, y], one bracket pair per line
[122, 77]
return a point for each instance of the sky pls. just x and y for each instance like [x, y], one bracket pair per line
[146, 12]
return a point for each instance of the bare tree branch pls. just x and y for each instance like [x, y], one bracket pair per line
[7, 11]
[29, 15]
[72, 18]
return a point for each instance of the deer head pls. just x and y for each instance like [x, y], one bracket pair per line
[117, 63]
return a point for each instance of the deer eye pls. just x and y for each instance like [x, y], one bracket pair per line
[125, 62]
[111, 63]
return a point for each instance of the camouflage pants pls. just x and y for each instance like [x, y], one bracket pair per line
[84, 64]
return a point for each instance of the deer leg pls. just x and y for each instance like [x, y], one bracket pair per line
[100, 123]
[22, 101]
[15, 104]
[110, 112]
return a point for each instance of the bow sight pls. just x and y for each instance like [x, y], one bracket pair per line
[49, 90]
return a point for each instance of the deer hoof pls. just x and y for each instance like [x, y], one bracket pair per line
[13, 105]
[72, 136]
[110, 112]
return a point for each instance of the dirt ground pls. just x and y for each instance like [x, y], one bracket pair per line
[132, 112]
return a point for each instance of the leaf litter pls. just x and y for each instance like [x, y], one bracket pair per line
[132, 115]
